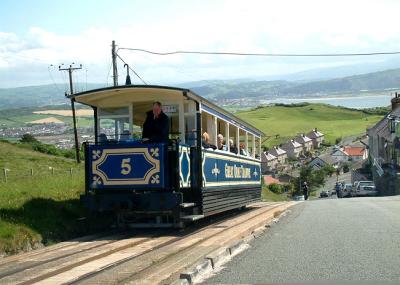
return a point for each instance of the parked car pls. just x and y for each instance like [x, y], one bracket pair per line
[324, 193]
[365, 188]
[347, 190]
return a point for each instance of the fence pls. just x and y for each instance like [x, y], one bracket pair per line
[10, 174]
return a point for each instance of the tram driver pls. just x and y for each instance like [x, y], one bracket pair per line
[156, 125]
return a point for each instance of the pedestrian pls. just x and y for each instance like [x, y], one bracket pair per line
[338, 189]
[305, 190]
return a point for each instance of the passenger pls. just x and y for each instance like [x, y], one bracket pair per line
[232, 147]
[206, 142]
[243, 151]
[220, 143]
[103, 138]
[156, 126]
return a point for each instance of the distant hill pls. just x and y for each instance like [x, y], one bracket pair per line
[41, 95]
[223, 89]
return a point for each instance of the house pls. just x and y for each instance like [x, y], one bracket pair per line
[279, 153]
[356, 153]
[268, 162]
[323, 160]
[339, 155]
[305, 141]
[384, 150]
[293, 149]
[317, 137]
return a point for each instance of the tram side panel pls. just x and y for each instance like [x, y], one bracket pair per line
[137, 177]
[229, 181]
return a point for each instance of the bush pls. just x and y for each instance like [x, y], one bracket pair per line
[338, 140]
[28, 138]
[275, 188]
[346, 168]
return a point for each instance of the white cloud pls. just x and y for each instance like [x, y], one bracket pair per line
[246, 26]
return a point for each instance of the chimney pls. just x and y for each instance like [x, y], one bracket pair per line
[395, 101]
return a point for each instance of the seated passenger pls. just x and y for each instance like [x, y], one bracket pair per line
[103, 138]
[220, 143]
[156, 126]
[205, 142]
[243, 151]
[232, 147]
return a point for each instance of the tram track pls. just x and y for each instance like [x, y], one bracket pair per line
[153, 250]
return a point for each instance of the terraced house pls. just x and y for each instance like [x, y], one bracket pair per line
[305, 141]
[293, 149]
[384, 151]
[317, 137]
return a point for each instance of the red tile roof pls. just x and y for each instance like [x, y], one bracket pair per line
[354, 150]
[268, 179]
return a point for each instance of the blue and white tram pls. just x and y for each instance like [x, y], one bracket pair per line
[171, 182]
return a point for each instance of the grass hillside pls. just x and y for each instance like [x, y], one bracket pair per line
[289, 120]
[39, 209]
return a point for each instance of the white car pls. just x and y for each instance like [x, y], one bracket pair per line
[365, 188]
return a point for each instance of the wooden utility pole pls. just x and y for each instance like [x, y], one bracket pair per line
[70, 69]
[114, 63]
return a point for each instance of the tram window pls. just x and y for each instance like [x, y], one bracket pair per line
[243, 145]
[171, 110]
[257, 147]
[190, 130]
[250, 145]
[114, 123]
[115, 128]
[233, 138]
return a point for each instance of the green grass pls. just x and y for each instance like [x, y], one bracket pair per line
[287, 121]
[269, 196]
[41, 209]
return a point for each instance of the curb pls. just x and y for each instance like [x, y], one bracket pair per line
[203, 267]
[215, 259]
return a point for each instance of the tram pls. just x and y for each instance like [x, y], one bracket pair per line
[172, 182]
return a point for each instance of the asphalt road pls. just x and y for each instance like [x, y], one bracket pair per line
[354, 239]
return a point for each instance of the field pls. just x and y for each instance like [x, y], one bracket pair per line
[67, 113]
[39, 209]
[11, 118]
[281, 123]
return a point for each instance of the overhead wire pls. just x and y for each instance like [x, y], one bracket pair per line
[260, 54]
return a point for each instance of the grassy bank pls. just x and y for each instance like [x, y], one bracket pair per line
[288, 121]
[269, 196]
[39, 209]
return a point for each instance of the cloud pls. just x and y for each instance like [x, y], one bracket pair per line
[309, 26]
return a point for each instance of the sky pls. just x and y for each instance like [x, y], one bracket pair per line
[37, 36]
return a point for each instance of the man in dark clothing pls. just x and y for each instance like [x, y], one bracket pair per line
[305, 190]
[156, 126]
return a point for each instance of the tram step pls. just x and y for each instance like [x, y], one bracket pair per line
[192, 217]
[187, 205]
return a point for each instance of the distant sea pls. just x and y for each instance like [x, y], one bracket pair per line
[357, 102]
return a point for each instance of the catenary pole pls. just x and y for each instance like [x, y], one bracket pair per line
[71, 69]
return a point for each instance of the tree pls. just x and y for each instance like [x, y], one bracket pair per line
[28, 138]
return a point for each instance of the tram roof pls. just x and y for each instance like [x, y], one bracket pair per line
[95, 98]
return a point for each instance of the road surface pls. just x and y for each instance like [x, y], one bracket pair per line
[354, 239]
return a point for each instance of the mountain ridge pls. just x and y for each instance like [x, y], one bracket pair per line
[387, 80]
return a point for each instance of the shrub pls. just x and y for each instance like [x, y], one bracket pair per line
[275, 188]
[28, 138]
